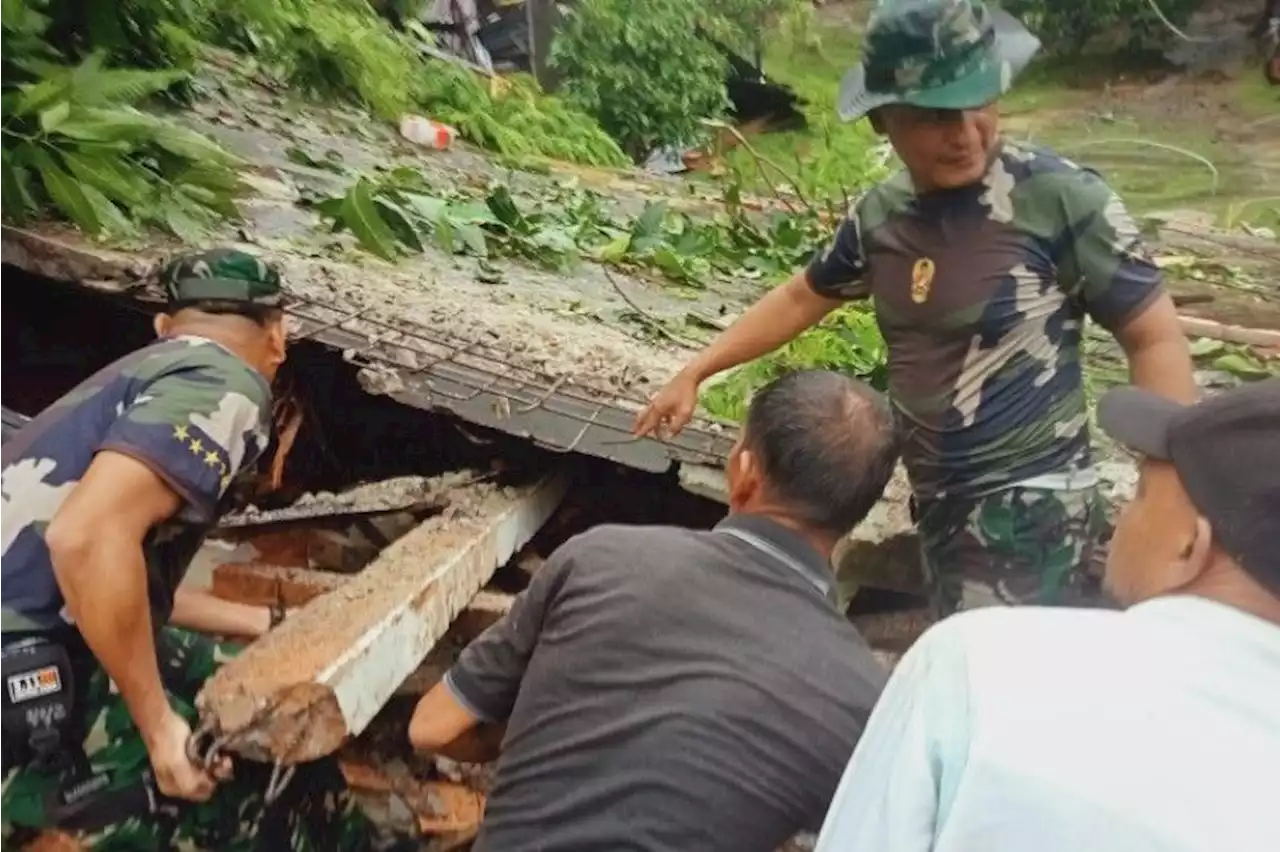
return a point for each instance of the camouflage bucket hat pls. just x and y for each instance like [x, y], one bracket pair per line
[224, 275]
[937, 54]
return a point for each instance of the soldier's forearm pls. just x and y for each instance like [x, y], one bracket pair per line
[103, 577]
[196, 609]
[778, 318]
[1164, 368]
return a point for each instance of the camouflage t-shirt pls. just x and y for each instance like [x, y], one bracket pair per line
[981, 294]
[189, 409]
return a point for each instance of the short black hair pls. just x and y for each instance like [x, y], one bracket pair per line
[259, 314]
[827, 444]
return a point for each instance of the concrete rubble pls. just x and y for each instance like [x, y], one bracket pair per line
[320, 677]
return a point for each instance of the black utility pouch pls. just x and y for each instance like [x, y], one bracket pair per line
[39, 702]
[43, 731]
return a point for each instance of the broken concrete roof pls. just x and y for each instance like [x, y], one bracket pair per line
[543, 356]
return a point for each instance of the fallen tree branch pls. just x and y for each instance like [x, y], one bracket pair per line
[1197, 327]
[651, 321]
[761, 161]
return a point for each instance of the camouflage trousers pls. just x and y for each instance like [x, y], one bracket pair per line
[1017, 546]
[315, 811]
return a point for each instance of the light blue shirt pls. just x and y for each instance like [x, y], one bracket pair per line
[1048, 730]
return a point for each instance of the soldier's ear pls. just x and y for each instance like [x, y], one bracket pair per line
[163, 324]
[277, 340]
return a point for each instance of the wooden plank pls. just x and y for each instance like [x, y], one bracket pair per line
[322, 675]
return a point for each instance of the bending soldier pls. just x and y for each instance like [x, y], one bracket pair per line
[108, 494]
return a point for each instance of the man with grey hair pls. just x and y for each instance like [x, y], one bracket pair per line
[666, 688]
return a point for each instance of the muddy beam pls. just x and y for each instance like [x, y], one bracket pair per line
[299, 692]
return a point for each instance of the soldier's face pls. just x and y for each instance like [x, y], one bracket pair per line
[1160, 544]
[941, 148]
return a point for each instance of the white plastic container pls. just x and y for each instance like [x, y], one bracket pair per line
[427, 133]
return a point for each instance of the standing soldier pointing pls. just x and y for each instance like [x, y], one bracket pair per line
[981, 260]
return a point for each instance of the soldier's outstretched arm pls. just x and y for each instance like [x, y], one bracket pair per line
[778, 318]
[835, 276]
[96, 546]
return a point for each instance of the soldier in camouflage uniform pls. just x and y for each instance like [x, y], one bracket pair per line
[982, 260]
[106, 497]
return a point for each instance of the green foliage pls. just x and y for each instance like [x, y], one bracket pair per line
[848, 340]
[1066, 26]
[336, 49]
[642, 69]
[143, 33]
[74, 144]
[399, 213]
[1236, 360]
[742, 24]
[518, 121]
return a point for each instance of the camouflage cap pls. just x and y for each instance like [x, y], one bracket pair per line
[937, 54]
[224, 275]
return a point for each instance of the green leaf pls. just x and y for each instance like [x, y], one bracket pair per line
[180, 220]
[647, 233]
[474, 212]
[445, 235]
[51, 117]
[124, 124]
[112, 219]
[616, 249]
[473, 238]
[112, 175]
[37, 96]
[396, 218]
[15, 189]
[1241, 366]
[554, 239]
[96, 86]
[218, 202]
[212, 176]
[425, 206]
[194, 146]
[331, 208]
[361, 216]
[66, 193]
[504, 207]
[1203, 347]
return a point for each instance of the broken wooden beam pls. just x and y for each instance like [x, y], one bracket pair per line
[322, 675]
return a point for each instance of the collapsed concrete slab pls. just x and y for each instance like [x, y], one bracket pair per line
[319, 678]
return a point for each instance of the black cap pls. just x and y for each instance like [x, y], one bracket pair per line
[1226, 450]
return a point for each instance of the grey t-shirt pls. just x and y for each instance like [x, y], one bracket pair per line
[667, 688]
